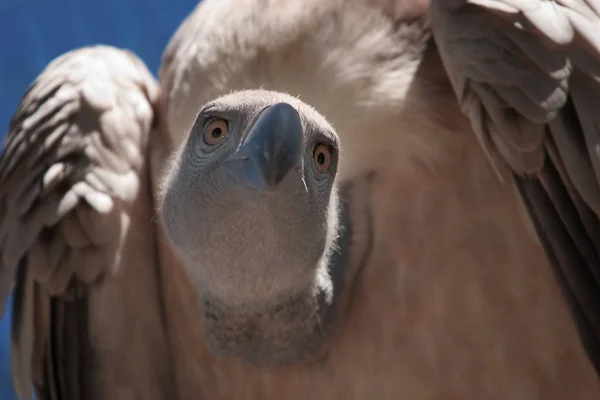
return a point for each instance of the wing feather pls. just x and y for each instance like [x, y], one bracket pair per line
[527, 73]
[69, 177]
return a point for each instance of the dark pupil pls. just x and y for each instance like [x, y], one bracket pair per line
[216, 133]
[321, 158]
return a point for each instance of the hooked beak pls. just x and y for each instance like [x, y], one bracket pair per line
[272, 147]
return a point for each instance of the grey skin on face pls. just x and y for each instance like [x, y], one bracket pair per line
[253, 210]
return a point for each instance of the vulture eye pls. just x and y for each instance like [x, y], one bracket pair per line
[215, 131]
[322, 157]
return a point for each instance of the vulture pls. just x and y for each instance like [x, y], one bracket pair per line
[319, 199]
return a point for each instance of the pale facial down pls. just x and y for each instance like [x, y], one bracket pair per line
[251, 206]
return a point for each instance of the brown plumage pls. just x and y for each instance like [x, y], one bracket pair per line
[152, 260]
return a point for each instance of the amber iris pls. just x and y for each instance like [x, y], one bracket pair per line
[322, 157]
[215, 131]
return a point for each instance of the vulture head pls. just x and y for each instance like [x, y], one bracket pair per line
[251, 206]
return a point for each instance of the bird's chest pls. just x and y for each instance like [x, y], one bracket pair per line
[456, 302]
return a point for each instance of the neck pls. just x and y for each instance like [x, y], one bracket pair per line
[300, 328]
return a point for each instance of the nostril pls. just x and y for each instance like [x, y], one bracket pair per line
[237, 157]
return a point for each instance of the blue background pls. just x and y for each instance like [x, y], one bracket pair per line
[33, 32]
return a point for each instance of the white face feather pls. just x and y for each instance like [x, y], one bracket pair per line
[243, 244]
[257, 252]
